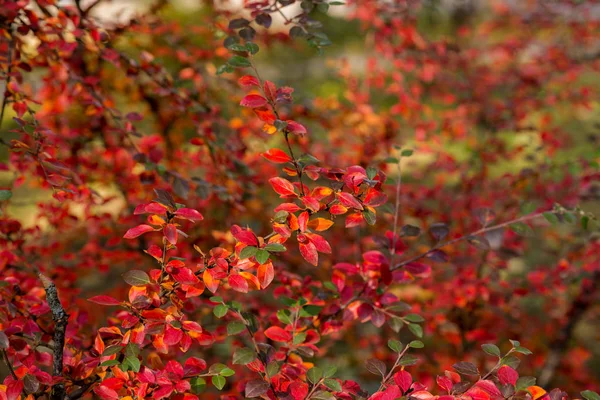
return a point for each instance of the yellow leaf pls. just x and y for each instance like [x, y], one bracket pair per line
[270, 129]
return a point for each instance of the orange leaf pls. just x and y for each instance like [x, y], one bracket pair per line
[320, 224]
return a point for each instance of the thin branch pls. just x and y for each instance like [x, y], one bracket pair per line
[396, 212]
[61, 319]
[470, 235]
[8, 364]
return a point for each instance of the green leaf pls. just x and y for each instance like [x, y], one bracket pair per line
[238, 62]
[511, 361]
[396, 324]
[416, 330]
[590, 395]
[235, 327]
[370, 216]
[227, 372]
[220, 311]
[395, 345]
[314, 374]
[585, 220]
[273, 368]
[310, 310]
[416, 344]
[406, 153]
[5, 195]
[248, 252]
[237, 47]
[109, 363]
[275, 247]
[329, 371]
[333, 385]
[224, 68]
[515, 343]
[371, 172]
[216, 369]
[284, 316]
[391, 160]
[281, 216]
[109, 351]
[216, 299]
[132, 350]
[524, 382]
[551, 217]
[262, 256]
[131, 363]
[408, 360]
[299, 338]
[491, 349]
[308, 159]
[244, 356]
[414, 318]
[252, 47]
[521, 229]
[523, 350]
[528, 207]
[136, 278]
[198, 384]
[218, 381]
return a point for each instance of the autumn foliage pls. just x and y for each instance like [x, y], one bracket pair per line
[178, 221]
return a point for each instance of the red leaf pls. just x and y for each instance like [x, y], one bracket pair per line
[249, 81]
[278, 334]
[238, 283]
[444, 383]
[105, 300]
[170, 232]
[188, 213]
[277, 156]
[253, 101]
[270, 90]
[309, 252]
[245, 236]
[349, 201]
[137, 231]
[320, 243]
[418, 269]
[106, 393]
[194, 366]
[184, 276]
[265, 274]
[282, 186]
[403, 379]
[295, 128]
[172, 335]
[507, 375]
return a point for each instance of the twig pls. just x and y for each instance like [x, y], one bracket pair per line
[470, 235]
[389, 374]
[61, 318]
[396, 212]
[8, 364]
